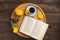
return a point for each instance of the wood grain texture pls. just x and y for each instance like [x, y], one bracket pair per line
[50, 7]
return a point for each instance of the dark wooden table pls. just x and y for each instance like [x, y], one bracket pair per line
[50, 7]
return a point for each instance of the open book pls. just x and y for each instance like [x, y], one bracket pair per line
[33, 28]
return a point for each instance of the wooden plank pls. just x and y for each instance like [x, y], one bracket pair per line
[19, 1]
[5, 28]
[52, 32]
[11, 36]
[49, 9]
[34, 1]
[53, 18]
[45, 7]
[50, 1]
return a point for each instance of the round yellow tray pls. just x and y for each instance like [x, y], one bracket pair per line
[18, 24]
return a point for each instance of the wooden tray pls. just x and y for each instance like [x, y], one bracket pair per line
[18, 24]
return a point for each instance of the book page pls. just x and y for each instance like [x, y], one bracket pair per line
[27, 25]
[39, 30]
